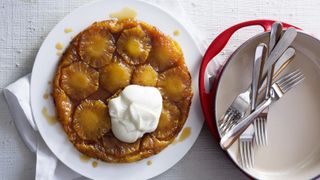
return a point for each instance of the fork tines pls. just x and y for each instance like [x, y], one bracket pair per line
[246, 148]
[246, 151]
[290, 80]
[260, 127]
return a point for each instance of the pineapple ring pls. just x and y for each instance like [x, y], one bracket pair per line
[117, 148]
[70, 56]
[96, 47]
[169, 122]
[165, 53]
[116, 26]
[175, 84]
[91, 119]
[145, 75]
[66, 108]
[115, 76]
[134, 45]
[79, 80]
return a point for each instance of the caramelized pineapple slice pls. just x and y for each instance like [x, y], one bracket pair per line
[169, 122]
[96, 47]
[113, 25]
[175, 84]
[91, 119]
[116, 26]
[165, 53]
[115, 76]
[145, 75]
[147, 142]
[64, 111]
[79, 80]
[117, 148]
[99, 94]
[69, 56]
[134, 45]
[90, 150]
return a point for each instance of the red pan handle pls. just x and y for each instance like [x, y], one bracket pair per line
[207, 99]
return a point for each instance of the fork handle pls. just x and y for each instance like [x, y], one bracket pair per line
[231, 136]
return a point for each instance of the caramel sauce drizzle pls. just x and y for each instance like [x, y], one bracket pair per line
[52, 119]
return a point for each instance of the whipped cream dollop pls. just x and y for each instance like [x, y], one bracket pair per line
[134, 112]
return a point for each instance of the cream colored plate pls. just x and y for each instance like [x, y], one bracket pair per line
[293, 150]
[44, 69]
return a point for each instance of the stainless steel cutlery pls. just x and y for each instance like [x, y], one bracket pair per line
[242, 102]
[278, 89]
[246, 117]
[246, 139]
[239, 106]
[260, 124]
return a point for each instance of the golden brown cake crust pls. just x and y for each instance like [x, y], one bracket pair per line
[103, 66]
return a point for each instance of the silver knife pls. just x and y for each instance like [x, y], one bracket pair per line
[283, 44]
[260, 125]
[275, 34]
[260, 56]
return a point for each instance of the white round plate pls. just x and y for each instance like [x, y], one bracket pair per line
[293, 125]
[44, 69]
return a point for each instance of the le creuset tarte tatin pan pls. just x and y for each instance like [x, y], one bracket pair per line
[293, 123]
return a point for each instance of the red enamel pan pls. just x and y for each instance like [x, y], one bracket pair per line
[293, 121]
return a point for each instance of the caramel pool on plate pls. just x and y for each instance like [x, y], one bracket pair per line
[51, 119]
[125, 13]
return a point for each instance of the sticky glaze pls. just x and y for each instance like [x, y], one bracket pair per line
[176, 32]
[68, 30]
[84, 158]
[52, 119]
[125, 13]
[185, 134]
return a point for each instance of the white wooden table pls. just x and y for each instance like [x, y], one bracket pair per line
[25, 23]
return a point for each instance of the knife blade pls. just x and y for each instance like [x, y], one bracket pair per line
[283, 44]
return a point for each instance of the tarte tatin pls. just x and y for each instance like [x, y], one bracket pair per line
[101, 61]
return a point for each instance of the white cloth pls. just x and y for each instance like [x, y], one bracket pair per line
[17, 95]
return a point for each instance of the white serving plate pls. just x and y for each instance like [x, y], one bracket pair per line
[44, 69]
[293, 128]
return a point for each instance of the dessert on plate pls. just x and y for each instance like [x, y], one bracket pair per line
[122, 90]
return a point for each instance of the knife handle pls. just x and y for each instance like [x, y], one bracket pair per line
[275, 35]
[259, 58]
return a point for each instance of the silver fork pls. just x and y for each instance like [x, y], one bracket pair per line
[260, 124]
[246, 148]
[239, 106]
[260, 129]
[246, 139]
[278, 89]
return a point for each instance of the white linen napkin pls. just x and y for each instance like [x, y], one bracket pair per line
[17, 95]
